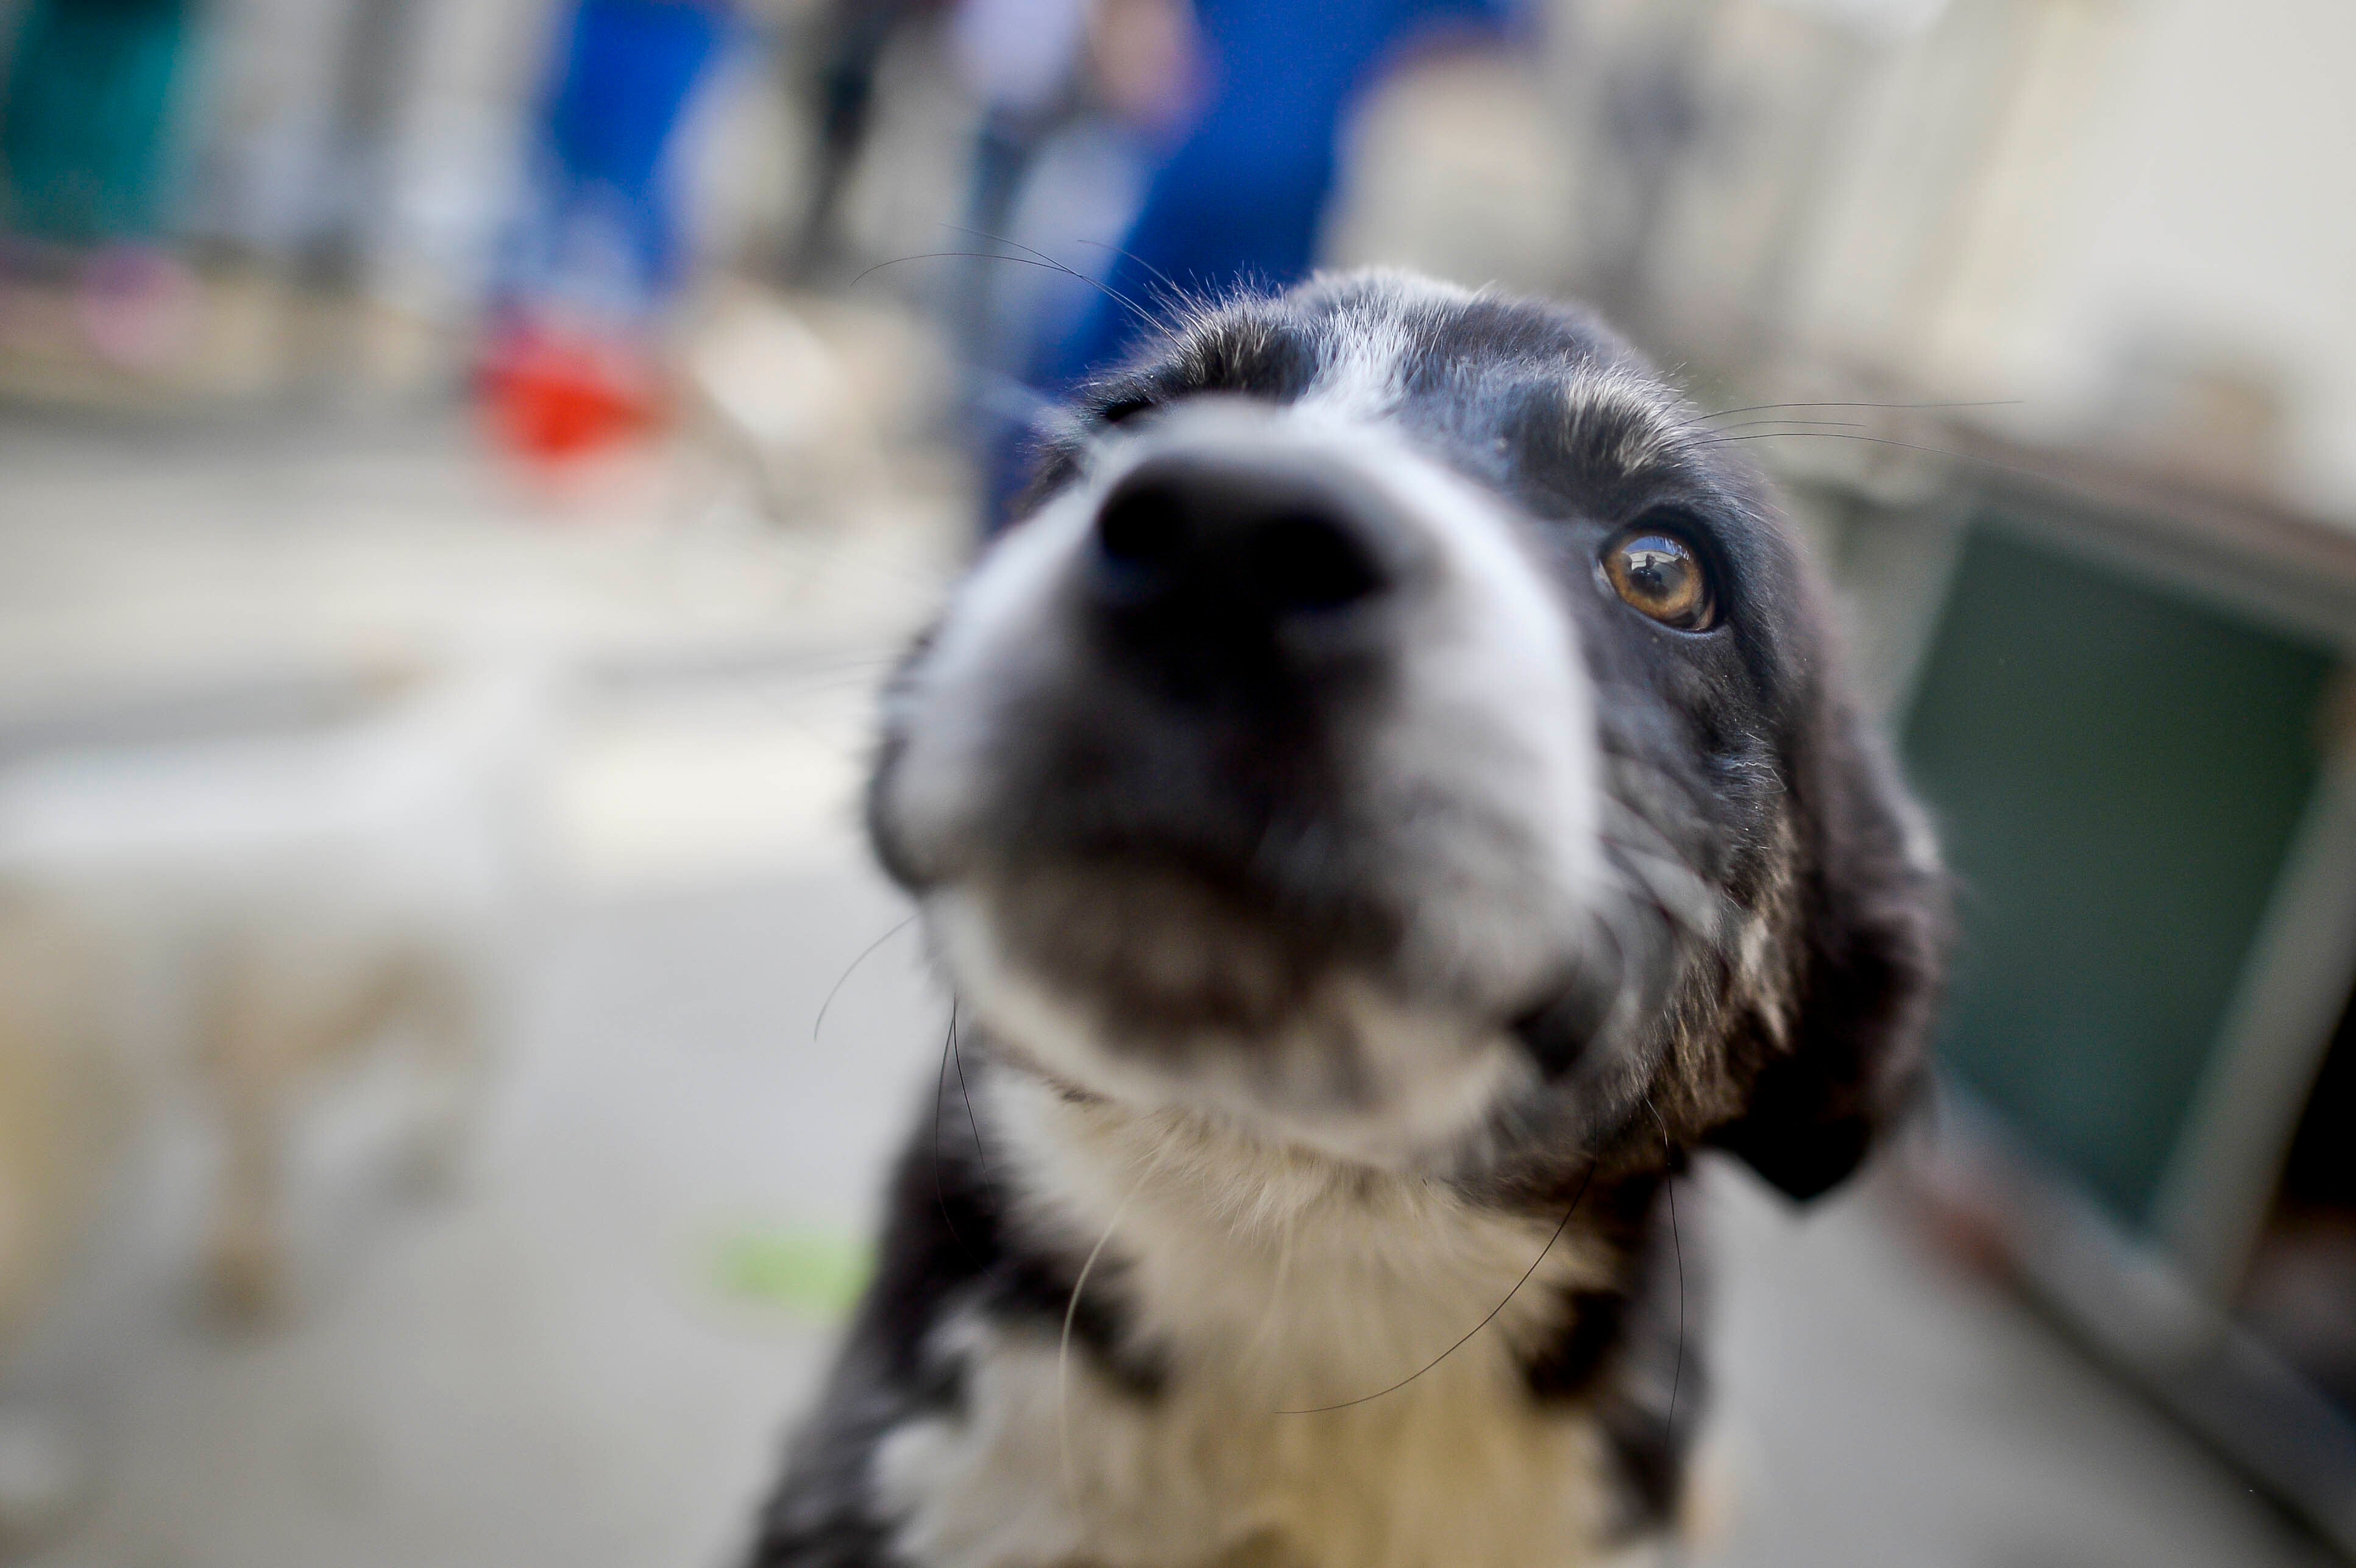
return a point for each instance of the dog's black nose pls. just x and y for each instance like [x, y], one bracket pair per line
[1211, 546]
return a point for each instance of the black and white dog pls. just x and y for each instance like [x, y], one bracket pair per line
[1389, 806]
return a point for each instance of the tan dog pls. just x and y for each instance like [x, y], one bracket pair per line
[251, 911]
[61, 1126]
[60, 1103]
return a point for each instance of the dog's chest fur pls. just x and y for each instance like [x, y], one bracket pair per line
[1261, 1287]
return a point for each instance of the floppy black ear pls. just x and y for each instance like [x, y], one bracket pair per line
[1873, 936]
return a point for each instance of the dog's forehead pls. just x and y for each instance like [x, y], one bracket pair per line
[1548, 382]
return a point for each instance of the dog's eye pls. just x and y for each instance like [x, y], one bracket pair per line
[1657, 571]
[1121, 409]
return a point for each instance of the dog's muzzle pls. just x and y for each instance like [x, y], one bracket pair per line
[1263, 709]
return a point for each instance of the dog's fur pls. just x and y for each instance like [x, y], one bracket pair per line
[1339, 1006]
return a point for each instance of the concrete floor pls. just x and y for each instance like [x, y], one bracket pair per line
[554, 1365]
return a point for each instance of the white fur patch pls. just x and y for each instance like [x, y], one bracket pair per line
[1484, 767]
[1480, 779]
[1643, 427]
[1421, 1076]
[995, 639]
[1271, 1281]
[1361, 373]
[1492, 747]
[1363, 351]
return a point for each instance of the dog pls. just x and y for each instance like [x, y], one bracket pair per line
[1390, 805]
[252, 910]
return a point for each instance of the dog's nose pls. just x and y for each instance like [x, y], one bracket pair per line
[1205, 544]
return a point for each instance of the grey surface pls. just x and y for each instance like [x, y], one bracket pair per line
[1885, 1407]
[544, 1369]
[545, 1372]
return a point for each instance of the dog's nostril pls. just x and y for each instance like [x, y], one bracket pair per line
[1144, 528]
[1236, 542]
[1304, 559]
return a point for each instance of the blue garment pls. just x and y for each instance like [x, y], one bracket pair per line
[1239, 201]
[603, 222]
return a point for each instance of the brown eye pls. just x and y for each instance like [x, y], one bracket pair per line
[1657, 572]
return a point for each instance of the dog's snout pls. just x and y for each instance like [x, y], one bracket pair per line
[1234, 543]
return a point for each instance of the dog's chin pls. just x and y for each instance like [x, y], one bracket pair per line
[1163, 994]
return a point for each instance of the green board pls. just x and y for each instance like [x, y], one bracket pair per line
[86, 122]
[2117, 770]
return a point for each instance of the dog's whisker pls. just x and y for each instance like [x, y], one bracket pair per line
[1831, 402]
[864, 954]
[1564, 1225]
[988, 238]
[1680, 893]
[1645, 856]
[1287, 1227]
[1974, 458]
[1064, 1347]
[1677, 1251]
[1747, 423]
[1144, 317]
[1018, 402]
[940, 1189]
[1626, 821]
[1175, 297]
[1629, 935]
[957, 1055]
[1061, 265]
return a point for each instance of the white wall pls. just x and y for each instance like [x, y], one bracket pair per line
[2221, 206]
[2167, 175]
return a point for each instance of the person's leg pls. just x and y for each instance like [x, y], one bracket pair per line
[632, 65]
[850, 40]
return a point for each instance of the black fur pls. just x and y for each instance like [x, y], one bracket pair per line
[1763, 985]
[947, 1245]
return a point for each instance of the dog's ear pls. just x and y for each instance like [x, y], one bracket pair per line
[1873, 937]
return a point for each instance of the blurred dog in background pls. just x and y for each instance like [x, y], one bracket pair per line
[222, 919]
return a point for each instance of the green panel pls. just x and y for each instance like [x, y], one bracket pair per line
[86, 122]
[2117, 771]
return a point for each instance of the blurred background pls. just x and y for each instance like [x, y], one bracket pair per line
[465, 465]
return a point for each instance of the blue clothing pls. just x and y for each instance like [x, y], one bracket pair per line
[602, 188]
[1239, 201]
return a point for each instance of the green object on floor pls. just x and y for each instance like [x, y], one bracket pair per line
[813, 1273]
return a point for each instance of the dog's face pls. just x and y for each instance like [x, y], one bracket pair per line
[1399, 728]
